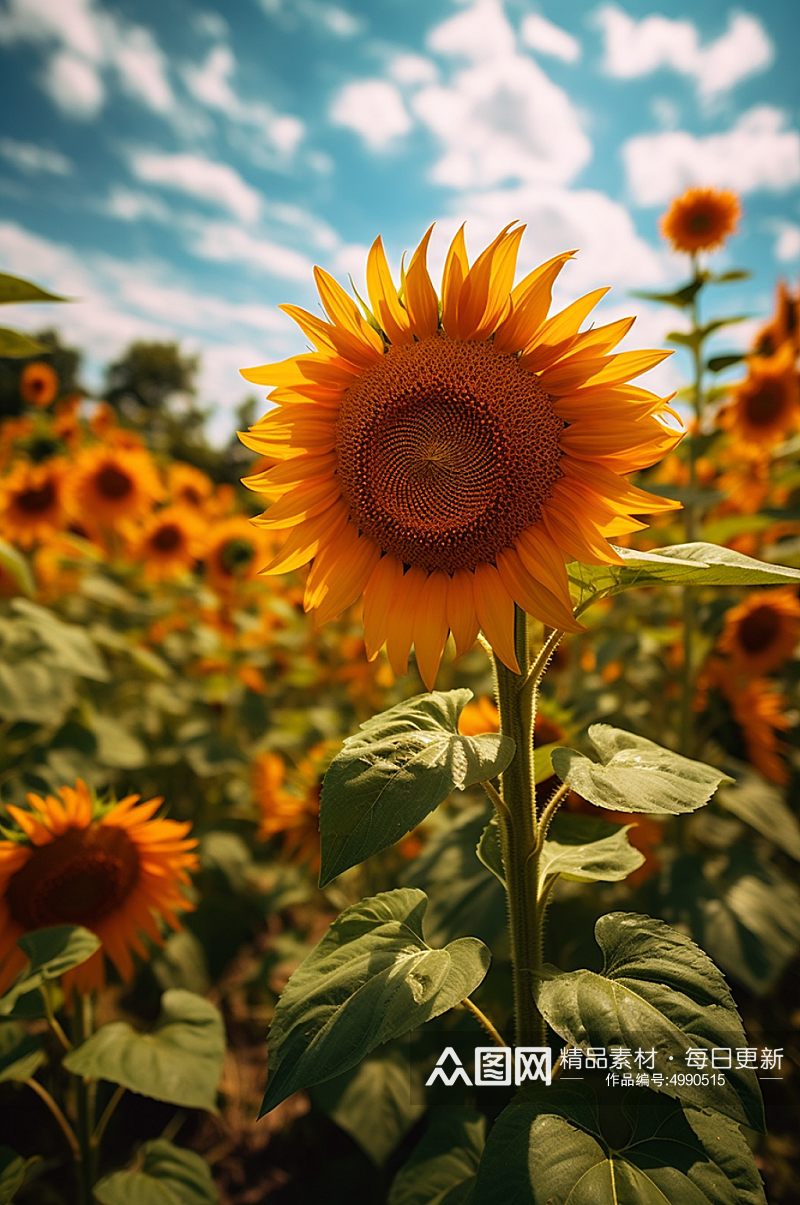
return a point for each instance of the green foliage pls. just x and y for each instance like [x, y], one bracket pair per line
[16, 566]
[395, 771]
[444, 1164]
[372, 1101]
[21, 1054]
[149, 373]
[51, 953]
[547, 1148]
[14, 289]
[637, 775]
[163, 1174]
[373, 977]
[761, 805]
[15, 346]
[179, 1061]
[655, 982]
[12, 1174]
[585, 849]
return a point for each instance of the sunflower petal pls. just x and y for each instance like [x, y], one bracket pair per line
[532, 596]
[461, 610]
[530, 301]
[379, 594]
[431, 626]
[401, 630]
[383, 297]
[552, 340]
[421, 300]
[494, 607]
[456, 267]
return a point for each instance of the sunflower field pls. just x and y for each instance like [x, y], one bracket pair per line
[416, 822]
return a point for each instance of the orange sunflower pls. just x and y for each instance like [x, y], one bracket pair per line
[112, 868]
[169, 544]
[110, 485]
[38, 383]
[188, 485]
[233, 553]
[701, 219]
[763, 631]
[783, 326]
[32, 502]
[291, 809]
[765, 407]
[446, 461]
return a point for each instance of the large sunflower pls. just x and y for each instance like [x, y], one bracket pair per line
[32, 502]
[111, 868]
[446, 460]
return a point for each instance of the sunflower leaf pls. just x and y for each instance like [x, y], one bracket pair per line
[444, 1163]
[636, 775]
[547, 1146]
[14, 289]
[586, 849]
[720, 363]
[52, 952]
[12, 1174]
[16, 346]
[680, 298]
[393, 773]
[162, 1175]
[373, 977]
[696, 564]
[179, 1061]
[655, 981]
[14, 564]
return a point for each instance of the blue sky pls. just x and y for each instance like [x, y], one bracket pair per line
[180, 167]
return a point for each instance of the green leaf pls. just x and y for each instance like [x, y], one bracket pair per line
[15, 565]
[12, 1174]
[547, 1148]
[443, 1166]
[680, 298]
[721, 278]
[14, 289]
[372, 1102]
[762, 805]
[657, 990]
[21, 1055]
[586, 849]
[68, 645]
[52, 952]
[116, 745]
[179, 1061]
[691, 339]
[490, 851]
[36, 693]
[680, 564]
[373, 977]
[162, 1175]
[395, 771]
[720, 363]
[16, 346]
[636, 775]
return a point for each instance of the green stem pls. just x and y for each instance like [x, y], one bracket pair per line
[516, 700]
[483, 1021]
[691, 516]
[84, 1098]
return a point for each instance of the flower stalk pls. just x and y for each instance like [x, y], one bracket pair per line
[691, 522]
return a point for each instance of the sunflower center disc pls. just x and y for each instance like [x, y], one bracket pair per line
[447, 451]
[78, 879]
[34, 501]
[167, 538]
[758, 630]
[113, 483]
[765, 404]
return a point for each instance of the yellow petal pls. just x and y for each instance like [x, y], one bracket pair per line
[567, 374]
[379, 594]
[456, 267]
[461, 617]
[431, 626]
[494, 607]
[608, 484]
[421, 300]
[357, 558]
[305, 539]
[626, 365]
[307, 500]
[344, 312]
[401, 624]
[532, 596]
[552, 340]
[530, 301]
[383, 297]
[544, 561]
[577, 535]
[486, 291]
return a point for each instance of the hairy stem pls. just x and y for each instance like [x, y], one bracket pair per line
[483, 1021]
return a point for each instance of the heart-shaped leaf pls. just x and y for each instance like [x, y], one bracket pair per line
[443, 1166]
[636, 775]
[162, 1175]
[12, 1174]
[657, 990]
[52, 952]
[372, 977]
[547, 1148]
[179, 1061]
[395, 771]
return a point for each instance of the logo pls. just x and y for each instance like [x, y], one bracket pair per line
[494, 1067]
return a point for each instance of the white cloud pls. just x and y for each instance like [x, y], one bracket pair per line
[413, 69]
[639, 47]
[229, 243]
[74, 84]
[479, 32]
[373, 108]
[758, 152]
[540, 34]
[218, 183]
[787, 240]
[82, 42]
[32, 159]
[132, 206]
[322, 15]
[211, 84]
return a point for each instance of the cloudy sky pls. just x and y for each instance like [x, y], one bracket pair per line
[179, 167]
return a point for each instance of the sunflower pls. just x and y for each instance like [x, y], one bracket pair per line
[446, 462]
[170, 542]
[766, 406]
[783, 326]
[32, 502]
[112, 868]
[763, 631]
[38, 383]
[290, 809]
[188, 485]
[110, 485]
[701, 219]
[233, 554]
